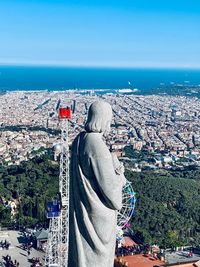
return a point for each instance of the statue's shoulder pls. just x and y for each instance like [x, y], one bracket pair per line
[88, 138]
[94, 144]
[93, 138]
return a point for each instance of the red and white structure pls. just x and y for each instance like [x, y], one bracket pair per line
[58, 238]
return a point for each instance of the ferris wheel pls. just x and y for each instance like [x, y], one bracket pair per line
[128, 206]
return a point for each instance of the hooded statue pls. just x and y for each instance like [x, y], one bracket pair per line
[96, 181]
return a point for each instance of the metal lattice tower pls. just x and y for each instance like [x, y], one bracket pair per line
[58, 238]
[53, 253]
[64, 191]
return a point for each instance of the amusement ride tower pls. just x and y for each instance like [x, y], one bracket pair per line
[58, 209]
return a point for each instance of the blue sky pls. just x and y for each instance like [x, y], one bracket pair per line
[113, 33]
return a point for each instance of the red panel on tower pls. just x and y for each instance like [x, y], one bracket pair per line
[64, 113]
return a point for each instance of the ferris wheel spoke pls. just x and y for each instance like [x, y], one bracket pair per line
[128, 205]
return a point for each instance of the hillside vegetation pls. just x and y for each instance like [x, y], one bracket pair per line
[29, 185]
[167, 209]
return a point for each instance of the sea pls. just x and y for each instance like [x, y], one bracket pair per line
[64, 78]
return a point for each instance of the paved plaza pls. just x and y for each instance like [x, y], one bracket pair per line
[16, 251]
[181, 257]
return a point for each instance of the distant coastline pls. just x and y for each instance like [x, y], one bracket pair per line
[76, 78]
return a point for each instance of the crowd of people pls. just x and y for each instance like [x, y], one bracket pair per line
[131, 250]
[28, 244]
[36, 262]
[9, 262]
[27, 247]
[4, 244]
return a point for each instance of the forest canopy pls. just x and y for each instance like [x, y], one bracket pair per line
[167, 210]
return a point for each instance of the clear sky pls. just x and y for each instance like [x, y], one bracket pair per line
[119, 33]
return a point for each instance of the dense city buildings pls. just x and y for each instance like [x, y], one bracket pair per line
[166, 127]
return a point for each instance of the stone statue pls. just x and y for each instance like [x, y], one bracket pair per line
[96, 181]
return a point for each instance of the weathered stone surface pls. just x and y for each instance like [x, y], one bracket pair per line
[96, 181]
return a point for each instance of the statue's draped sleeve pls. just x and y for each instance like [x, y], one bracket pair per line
[110, 183]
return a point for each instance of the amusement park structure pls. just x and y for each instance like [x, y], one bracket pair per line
[58, 209]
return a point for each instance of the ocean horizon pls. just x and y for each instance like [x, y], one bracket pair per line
[64, 78]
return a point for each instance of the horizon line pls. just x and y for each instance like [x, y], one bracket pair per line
[100, 66]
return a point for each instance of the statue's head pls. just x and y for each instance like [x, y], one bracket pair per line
[99, 117]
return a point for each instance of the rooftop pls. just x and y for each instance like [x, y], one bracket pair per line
[139, 260]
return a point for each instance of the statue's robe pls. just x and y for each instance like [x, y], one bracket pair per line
[95, 197]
